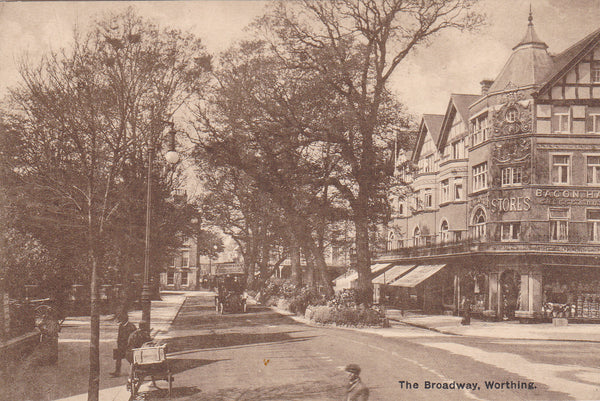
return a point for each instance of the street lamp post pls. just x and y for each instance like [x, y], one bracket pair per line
[171, 157]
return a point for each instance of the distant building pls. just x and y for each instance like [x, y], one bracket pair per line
[504, 212]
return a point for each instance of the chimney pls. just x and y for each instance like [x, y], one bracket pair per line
[485, 86]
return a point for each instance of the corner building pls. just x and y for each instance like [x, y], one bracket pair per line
[506, 193]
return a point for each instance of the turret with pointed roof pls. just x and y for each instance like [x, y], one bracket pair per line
[528, 64]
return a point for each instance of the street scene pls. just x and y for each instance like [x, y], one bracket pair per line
[300, 200]
[267, 355]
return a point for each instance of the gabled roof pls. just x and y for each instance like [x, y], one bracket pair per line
[564, 61]
[458, 103]
[430, 124]
[528, 65]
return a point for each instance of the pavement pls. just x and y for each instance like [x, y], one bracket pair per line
[162, 315]
[500, 330]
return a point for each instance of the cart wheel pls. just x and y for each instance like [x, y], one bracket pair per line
[170, 380]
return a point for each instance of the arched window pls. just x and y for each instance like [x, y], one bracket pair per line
[479, 224]
[390, 241]
[444, 231]
[417, 236]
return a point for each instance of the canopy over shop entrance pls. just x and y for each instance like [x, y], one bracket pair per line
[416, 276]
[349, 279]
[392, 274]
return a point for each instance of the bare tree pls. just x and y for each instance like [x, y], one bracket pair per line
[86, 112]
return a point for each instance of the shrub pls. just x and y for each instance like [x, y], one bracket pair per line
[347, 316]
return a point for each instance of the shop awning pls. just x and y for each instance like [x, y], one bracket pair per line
[346, 279]
[392, 274]
[417, 276]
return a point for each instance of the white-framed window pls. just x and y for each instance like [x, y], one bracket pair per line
[417, 236]
[560, 120]
[512, 176]
[559, 223]
[480, 129]
[390, 243]
[458, 189]
[185, 258]
[184, 277]
[593, 169]
[170, 276]
[428, 198]
[400, 207]
[445, 190]
[595, 72]
[595, 119]
[458, 149]
[561, 169]
[480, 176]
[479, 224]
[593, 222]
[510, 231]
[444, 231]
[173, 261]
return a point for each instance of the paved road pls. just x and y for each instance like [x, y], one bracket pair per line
[262, 355]
[266, 356]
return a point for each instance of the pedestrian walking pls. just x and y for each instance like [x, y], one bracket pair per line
[356, 390]
[123, 333]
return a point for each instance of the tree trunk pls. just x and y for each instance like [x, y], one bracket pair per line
[94, 373]
[363, 257]
[295, 261]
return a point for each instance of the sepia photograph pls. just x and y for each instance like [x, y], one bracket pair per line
[300, 200]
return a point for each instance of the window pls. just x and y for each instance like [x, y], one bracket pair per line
[559, 224]
[560, 121]
[480, 176]
[593, 222]
[400, 208]
[512, 176]
[184, 277]
[458, 189]
[390, 243]
[479, 224]
[595, 122]
[445, 186]
[428, 198]
[428, 164]
[444, 232]
[185, 258]
[593, 169]
[596, 72]
[480, 129]
[510, 232]
[458, 149]
[170, 277]
[560, 169]
[417, 236]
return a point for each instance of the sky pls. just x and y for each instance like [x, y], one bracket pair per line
[454, 61]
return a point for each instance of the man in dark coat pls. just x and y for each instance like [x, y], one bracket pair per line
[355, 390]
[125, 330]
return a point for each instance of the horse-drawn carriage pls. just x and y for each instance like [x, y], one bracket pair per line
[230, 296]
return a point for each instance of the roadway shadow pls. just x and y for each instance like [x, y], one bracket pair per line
[206, 317]
[219, 340]
[176, 392]
[310, 390]
[178, 365]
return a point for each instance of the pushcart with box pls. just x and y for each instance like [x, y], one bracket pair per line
[149, 361]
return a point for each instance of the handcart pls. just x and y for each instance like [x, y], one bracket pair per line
[150, 360]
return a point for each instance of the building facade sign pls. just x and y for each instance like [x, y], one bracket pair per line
[510, 204]
[568, 197]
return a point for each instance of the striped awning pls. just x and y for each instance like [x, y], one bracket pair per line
[417, 276]
[392, 274]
